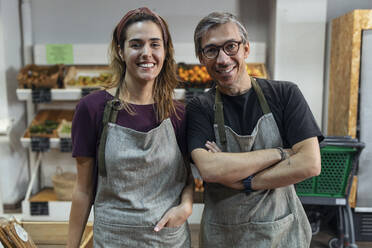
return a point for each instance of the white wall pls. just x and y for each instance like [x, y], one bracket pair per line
[13, 163]
[299, 48]
[92, 21]
[3, 96]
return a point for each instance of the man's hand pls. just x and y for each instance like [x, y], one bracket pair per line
[212, 147]
[174, 217]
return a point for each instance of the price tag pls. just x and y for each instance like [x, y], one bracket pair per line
[39, 208]
[65, 145]
[59, 54]
[340, 201]
[22, 234]
[87, 91]
[40, 144]
[41, 95]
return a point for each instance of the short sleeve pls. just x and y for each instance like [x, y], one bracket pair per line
[83, 132]
[299, 122]
[179, 125]
[199, 125]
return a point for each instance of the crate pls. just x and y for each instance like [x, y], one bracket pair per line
[54, 234]
[87, 76]
[38, 76]
[332, 181]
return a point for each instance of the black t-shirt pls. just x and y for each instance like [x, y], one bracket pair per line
[291, 112]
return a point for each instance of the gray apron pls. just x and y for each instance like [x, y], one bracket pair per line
[263, 218]
[142, 177]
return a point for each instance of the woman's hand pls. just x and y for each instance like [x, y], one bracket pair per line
[174, 217]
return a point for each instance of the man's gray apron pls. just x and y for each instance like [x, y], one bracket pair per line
[141, 176]
[264, 218]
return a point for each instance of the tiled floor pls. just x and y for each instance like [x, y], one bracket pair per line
[319, 241]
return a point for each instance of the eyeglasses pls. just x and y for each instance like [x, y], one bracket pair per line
[230, 48]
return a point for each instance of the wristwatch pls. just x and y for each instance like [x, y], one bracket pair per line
[248, 184]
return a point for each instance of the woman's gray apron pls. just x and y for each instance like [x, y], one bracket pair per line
[141, 176]
[264, 218]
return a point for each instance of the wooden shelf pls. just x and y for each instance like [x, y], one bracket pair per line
[45, 195]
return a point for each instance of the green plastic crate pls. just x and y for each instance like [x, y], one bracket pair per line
[332, 181]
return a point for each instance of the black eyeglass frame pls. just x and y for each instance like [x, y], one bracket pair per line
[223, 48]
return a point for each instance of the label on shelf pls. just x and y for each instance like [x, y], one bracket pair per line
[59, 54]
[22, 234]
[41, 95]
[87, 91]
[65, 145]
[39, 208]
[40, 144]
[340, 201]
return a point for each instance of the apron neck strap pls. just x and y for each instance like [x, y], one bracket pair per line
[219, 119]
[218, 111]
[261, 98]
[110, 114]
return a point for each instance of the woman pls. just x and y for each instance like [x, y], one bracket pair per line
[133, 134]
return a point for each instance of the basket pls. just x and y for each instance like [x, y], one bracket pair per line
[332, 181]
[12, 234]
[87, 77]
[63, 183]
[36, 76]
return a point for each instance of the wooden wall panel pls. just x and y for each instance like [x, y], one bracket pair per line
[344, 71]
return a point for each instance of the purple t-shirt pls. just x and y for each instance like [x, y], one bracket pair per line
[87, 123]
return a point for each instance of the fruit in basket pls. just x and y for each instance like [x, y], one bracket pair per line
[195, 74]
[33, 76]
[102, 79]
[254, 71]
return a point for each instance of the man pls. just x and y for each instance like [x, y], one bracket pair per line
[237, 134]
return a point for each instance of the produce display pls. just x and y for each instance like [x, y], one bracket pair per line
[64, 129]
[193, 74]
[47, 123]
[197, 75]
[46, 127]
[101, 80]
[190, 76]
[87, 76]
[34, 76]
[256, 70]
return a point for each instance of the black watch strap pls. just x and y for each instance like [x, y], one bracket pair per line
[248, 184]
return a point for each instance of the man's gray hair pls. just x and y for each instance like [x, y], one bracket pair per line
[212, 20]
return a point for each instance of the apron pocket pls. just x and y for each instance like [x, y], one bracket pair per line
[253, 234]
[106, 235]
[172, 230]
